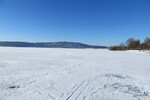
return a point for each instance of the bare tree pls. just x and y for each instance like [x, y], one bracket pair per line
[147, 43]
[133, 44]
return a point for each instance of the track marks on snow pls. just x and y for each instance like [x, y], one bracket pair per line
[107, 85]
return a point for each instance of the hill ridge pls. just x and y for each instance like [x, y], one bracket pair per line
[59, 44]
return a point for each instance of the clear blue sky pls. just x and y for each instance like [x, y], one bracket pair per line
[99, 22]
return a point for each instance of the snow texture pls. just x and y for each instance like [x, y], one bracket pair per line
[73, 74]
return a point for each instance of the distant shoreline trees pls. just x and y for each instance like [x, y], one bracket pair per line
[132, 44]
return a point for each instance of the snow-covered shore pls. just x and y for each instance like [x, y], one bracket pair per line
[73, 74]
[140, 51]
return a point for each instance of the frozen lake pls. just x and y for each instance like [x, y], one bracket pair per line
[73, 74]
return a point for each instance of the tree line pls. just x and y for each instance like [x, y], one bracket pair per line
[133, 44]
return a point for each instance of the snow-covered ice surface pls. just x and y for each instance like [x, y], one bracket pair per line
[73, 74]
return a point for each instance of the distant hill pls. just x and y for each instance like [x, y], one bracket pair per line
[49, 44]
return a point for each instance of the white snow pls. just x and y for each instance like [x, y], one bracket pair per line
[73, 74]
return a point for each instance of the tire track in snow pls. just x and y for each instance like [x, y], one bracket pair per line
[82, 87]
[73, 92]
[88, 82]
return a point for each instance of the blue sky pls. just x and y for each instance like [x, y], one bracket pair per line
[99, 22]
